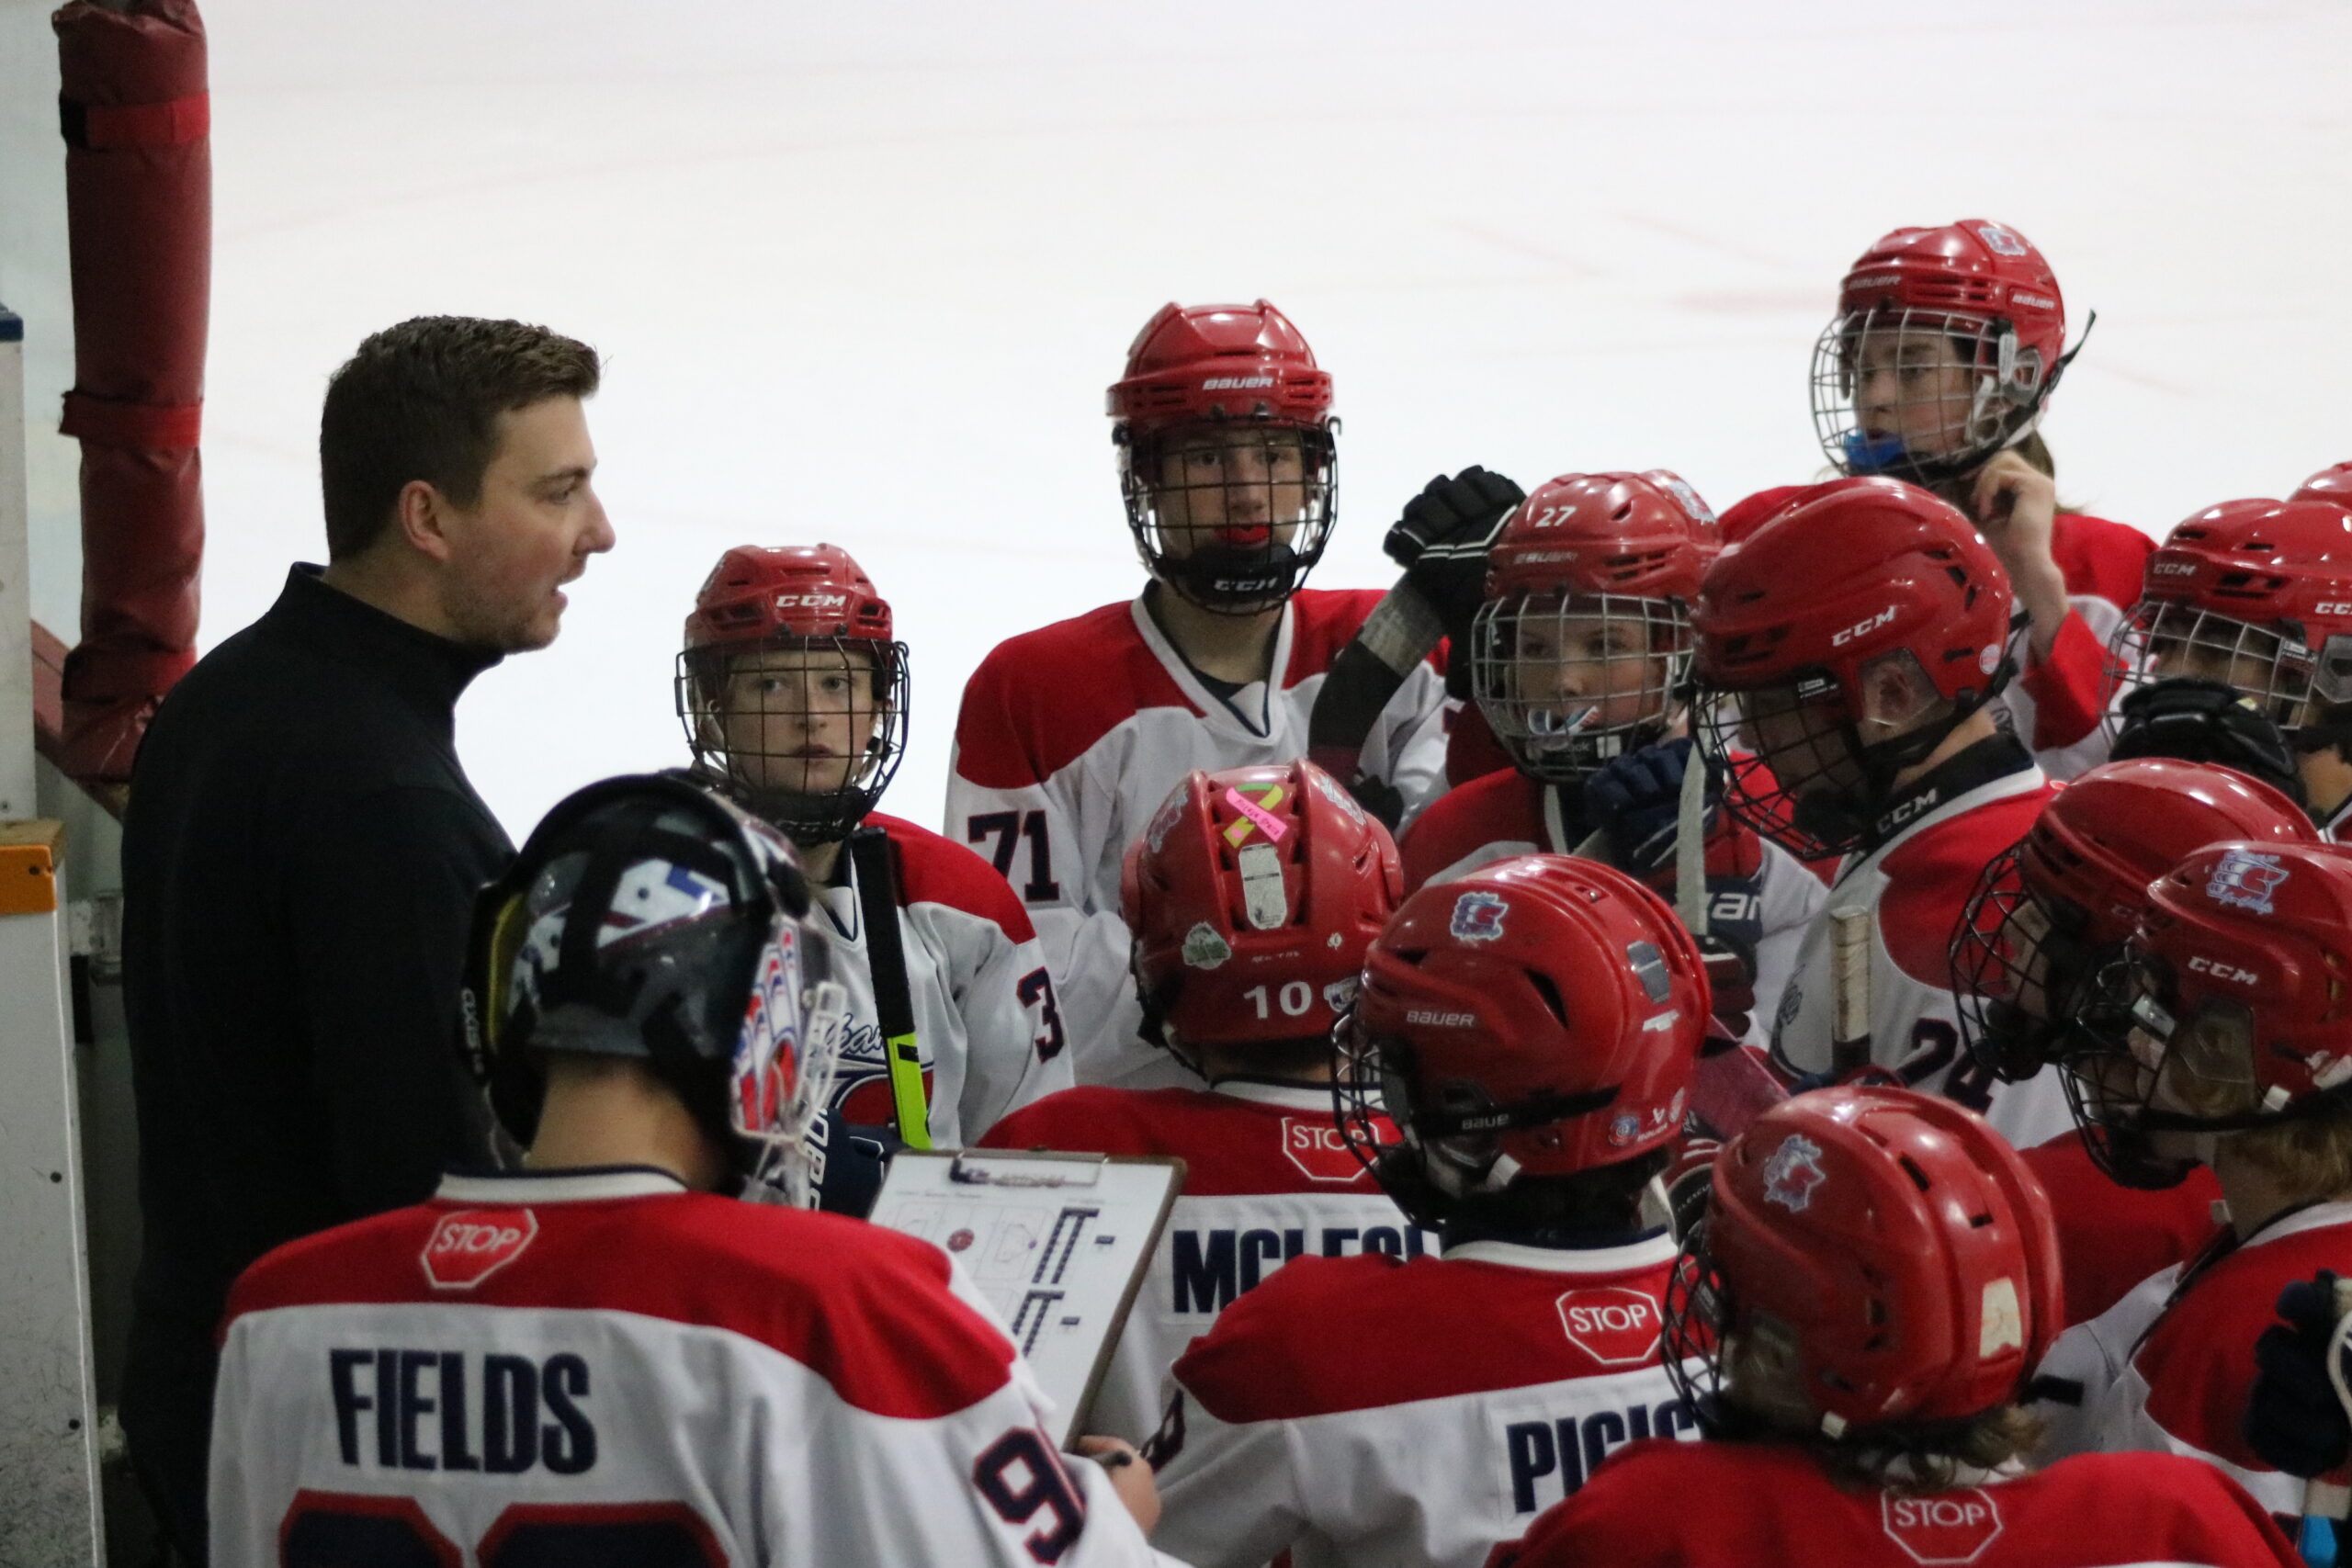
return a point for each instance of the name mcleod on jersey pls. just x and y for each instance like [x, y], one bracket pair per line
[1210, 1268]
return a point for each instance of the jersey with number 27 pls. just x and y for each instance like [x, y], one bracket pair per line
[601, 1367]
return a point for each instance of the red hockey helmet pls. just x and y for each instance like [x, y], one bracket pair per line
[1538, 1017]
[2333, 485]
[1251, 897]
[1223, 426]
[1583, 645]
[791, 689]
[2058, 905]
[1869, 607]
[1945, 345]
[2257, 594]
[1888, 1248]
[2237, 997]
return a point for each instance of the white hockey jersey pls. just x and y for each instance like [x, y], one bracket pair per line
[1377, 1413]
[601, 1367]
[1266, 1179]
[1072, 735]
[988, 1024]
[2168, 1368]
[1917, 881]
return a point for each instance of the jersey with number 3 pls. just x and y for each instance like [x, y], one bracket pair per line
[601, 1367]
[1915, 884]
[1072, 735]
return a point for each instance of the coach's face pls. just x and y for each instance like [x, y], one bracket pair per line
[531, 530]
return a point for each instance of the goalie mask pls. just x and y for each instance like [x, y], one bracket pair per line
[1223, 426]
[1841, 643]
[1868, 1255]
[2232, 1007]
[2054, 911]
[1540, 1016]
[2255, 594]
[649, 920]
[1582, 649]
[791, 689]
[1946, 344]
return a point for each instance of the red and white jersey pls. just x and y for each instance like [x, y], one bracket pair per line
[1773, 1506]
[1375, 1412]
[1757, 890]
[2056, 703]
[2167, 1368]
[601, 1365]
[2111, 1236]
[986, 1022]
[1072, 735]
[1266, 1179]
[1916, 881]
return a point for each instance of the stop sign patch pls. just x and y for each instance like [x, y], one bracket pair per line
[470, 1245]
[1317, 1148]
[1615, 1325]
[1948, 1527]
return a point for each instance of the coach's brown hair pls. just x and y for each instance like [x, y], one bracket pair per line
[421, 400]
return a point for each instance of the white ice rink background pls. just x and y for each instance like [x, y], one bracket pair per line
[861, 273]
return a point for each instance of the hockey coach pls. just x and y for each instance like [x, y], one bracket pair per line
[302, 849]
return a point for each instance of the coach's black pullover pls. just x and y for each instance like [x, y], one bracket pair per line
[300, 860]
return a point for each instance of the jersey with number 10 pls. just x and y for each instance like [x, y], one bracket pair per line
[601, 1367]
[1072, 735]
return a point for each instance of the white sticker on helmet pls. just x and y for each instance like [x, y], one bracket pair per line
[2001, 1325]
[1263, 898]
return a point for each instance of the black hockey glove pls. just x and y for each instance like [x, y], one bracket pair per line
[2293, 1416]
[2195, 720]
[1636, 801]
[856, 1158]
[1442, 541]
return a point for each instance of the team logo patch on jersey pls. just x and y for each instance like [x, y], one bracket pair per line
[1942, 1527]
[1793, 1171]
[470, 1245]
[2246, 881]
[1615, 1325]
[1478, 917]
[1314, 1145]
[1203, 948]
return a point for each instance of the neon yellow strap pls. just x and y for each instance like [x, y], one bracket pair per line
[907, 1097]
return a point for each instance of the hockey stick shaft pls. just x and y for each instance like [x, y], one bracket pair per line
[1850, 986]
[1691, 848]
[886, 959]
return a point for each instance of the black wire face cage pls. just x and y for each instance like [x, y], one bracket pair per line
[2132, 1044]
[2163, 638]
[1698, 1311]
[2022, 976]
[1231, 516]
[1568, 682]
[1359, 1092]
[1921, 395]
[804, 732]
[1812, 794]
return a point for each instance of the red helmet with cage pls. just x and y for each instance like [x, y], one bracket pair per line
[1894, 1249]
[1538, 1018]
[1223, 421]
[2055, 909]
[2257, 594]
[2234, 1009]
[2333, 485]
[1251, 897]
[1869, 602]
[1583, 645]
[1945, 345]
[792, 691]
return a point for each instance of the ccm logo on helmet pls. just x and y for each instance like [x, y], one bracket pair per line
[2173, 568]
[2331, 609]
[1851, 633]
[810, 601]
[2220, 971]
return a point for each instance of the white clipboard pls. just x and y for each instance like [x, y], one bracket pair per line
[1057, 1243]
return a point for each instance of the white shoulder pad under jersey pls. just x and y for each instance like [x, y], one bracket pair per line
[1068, 738]
[603, 1367]
[988, 1022]
[1377, 1412]
[1266, 1179]
[1915, 885]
